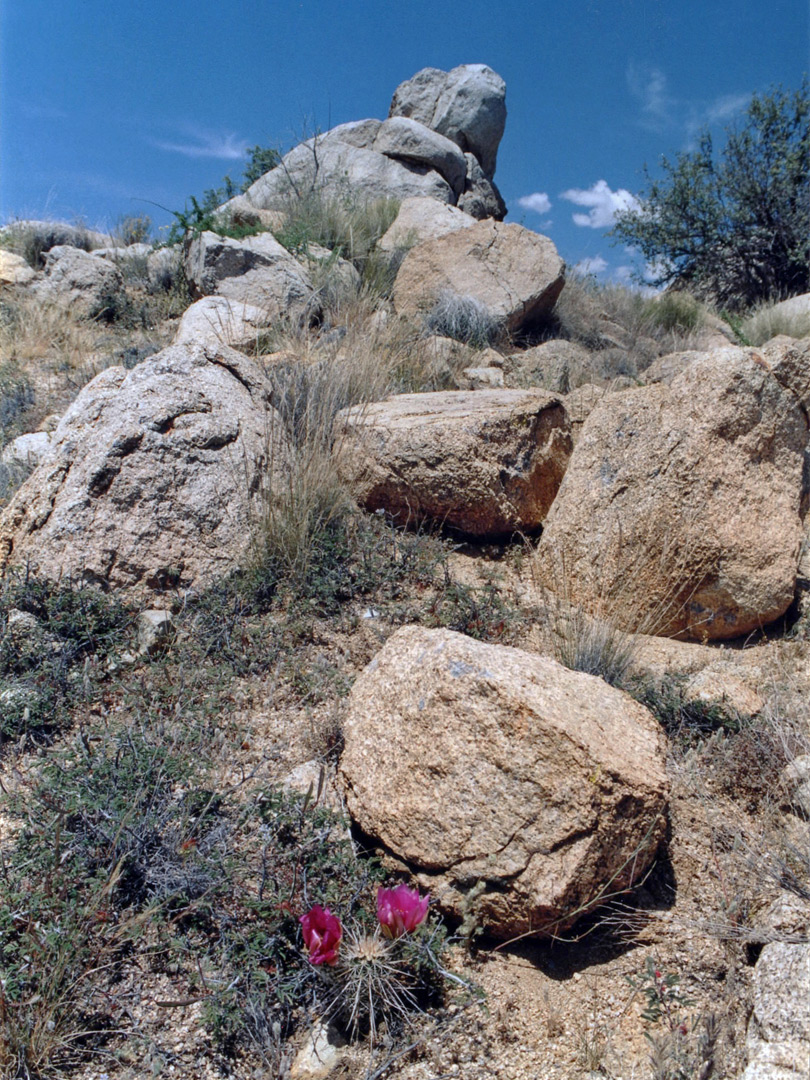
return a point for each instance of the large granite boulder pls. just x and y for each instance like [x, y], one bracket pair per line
[408, 140]
[75, 279]
[467, 104]
[341, 169]
[484, 462]
[218, 320]
[778, 1042]
[518, 792]
[153, 475]
[421, 219]
[516, 274]
[256, 270]
[679, 511]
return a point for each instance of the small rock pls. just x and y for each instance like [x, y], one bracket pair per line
[154, 627]
[320, 1054]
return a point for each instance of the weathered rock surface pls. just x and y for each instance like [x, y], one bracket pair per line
[257, 270]
[340, 170]
[27, 450]
[480, 197]
[484, 766]
[485, 462]
[789, 360]
[779, 1028]
[467, 104]
[422, 219]
[680, 506]
[216, 320]
[403, 138]
[14, 270]
[556, 365]
[515, 273]
[151, 476]
[78, 280]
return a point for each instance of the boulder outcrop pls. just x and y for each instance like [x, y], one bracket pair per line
[516, 790]
[152, 476]
[516, 274]
[217, 320]
[680, 507]
[484, 462]
[440, 141]
[467, 104]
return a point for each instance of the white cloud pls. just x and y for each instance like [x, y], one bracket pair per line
[539, 202]
[206, 144]
[648, 84]
[604, 204]
[595, 265]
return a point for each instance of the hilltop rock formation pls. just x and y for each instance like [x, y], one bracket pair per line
[485, 462]
[515, 790]
[440, 140]
[680, 506]
[151, 477]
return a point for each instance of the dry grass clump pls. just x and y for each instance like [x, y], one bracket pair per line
[340, 222]
[624, 328]
[768, 321]
[464, 319]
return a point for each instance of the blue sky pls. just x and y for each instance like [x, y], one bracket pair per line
[106, 107]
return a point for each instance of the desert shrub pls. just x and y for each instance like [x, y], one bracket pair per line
[685, 721]
[53, 639]
[16, 400]
[112, 827]
[674, 310]
[463, 318]
[132, 229]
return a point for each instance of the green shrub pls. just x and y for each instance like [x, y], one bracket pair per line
[674, 311]
[55, 629]
[733, 226]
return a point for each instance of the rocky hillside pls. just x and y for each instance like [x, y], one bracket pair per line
[354, 553]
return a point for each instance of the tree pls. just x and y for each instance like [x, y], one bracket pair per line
[733, 227]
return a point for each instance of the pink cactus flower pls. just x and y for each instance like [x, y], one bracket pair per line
[322, 933]
[400, 910]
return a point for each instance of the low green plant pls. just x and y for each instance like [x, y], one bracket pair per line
[53, 642]
[16, 397]
[112, 832]
[685, 1049]
[685, 720]
[674, 311]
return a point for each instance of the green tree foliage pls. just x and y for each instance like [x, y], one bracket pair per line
[262, 160]
[733, 225]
